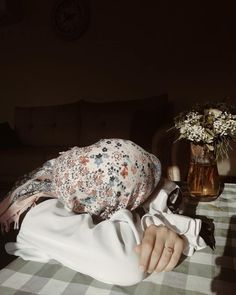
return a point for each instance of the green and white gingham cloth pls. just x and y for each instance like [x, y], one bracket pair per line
[206, 272]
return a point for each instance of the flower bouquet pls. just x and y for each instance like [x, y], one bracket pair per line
[210, 129]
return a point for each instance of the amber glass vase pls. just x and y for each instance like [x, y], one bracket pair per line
[203, 177]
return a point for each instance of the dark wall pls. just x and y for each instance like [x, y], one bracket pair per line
[132, 49]
[202, 50]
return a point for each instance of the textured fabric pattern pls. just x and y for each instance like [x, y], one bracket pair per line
[104, 177]
[98, 179]
[206, 272]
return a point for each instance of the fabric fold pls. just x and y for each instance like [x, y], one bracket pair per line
[25, 194]
[187, 227]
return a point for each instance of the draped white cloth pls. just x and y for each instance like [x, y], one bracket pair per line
[104, 251]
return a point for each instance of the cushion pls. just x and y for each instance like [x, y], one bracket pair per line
[57, 125]
[104, 120]
[136, 120]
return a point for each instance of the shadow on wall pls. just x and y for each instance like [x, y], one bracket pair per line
[174, 156]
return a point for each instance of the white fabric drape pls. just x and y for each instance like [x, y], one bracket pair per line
[104, 251]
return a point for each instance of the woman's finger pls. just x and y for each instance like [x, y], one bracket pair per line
[175, 257]
[166, 255]
[155, 255]
[147, 246]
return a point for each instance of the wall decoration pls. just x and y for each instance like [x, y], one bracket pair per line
[70, 18]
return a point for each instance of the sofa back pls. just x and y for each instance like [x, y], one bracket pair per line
[85, 122]
[57, 125]
[136, 120]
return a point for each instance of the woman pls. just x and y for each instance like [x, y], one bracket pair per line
[105, 215]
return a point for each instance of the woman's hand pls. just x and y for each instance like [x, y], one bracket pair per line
[160, 249]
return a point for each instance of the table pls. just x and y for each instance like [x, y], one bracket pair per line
[206, 272]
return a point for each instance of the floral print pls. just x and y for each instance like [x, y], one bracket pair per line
[98, 179]
[105, 177]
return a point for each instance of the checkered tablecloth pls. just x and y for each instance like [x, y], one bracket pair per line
[206, 272]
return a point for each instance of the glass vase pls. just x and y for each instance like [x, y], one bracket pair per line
[203, 178]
